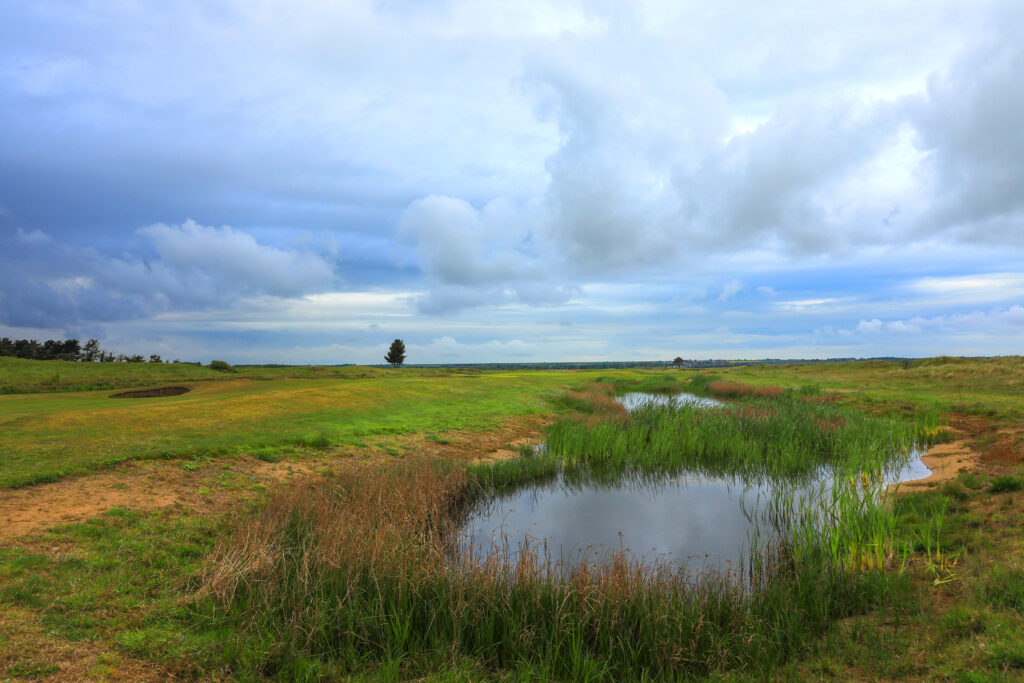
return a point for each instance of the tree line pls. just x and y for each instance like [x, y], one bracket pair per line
[69, 349]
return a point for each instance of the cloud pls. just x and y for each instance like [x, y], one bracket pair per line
[873, 326]
[31, 236]
[196, 267]
[474, 258]
[903, 327]
[233, 260]
[996, 323]
[967, 289]
[730, 289]
[448, 349]
[969, 125]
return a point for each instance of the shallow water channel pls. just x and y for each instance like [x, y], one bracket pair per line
[703, 522]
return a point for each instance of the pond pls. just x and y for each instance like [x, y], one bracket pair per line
[634, 400]
[702, 522]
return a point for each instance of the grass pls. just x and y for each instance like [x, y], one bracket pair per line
[48, 436]
[992, 387]
[339, 577]
[345, 576]
[780, 436]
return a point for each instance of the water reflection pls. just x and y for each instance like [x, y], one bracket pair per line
[700, 521]
[636, 399]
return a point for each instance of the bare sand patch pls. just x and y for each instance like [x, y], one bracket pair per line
[946, 461]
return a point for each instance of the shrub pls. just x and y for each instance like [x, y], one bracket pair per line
[221, 366]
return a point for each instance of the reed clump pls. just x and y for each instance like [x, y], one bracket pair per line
[779, 437]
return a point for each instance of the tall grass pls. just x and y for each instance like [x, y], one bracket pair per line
[780, 437]
[358, 572]
[347, 574]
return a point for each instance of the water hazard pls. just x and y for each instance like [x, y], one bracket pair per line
[700, 521]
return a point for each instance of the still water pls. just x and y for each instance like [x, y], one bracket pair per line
[700, 521]
[636, 399]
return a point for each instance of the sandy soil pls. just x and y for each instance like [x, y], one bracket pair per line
[946, 461]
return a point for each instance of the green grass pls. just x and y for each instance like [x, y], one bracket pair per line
[945, 605]
[347, 591]
[1006, 484]
[123, 583]
[47, 436]
[754, 437]
[992, 387]
[338, 599]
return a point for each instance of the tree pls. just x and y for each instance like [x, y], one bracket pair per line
[91, 351]
[396, 354]
[678, 361]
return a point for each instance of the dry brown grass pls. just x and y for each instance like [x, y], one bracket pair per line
[729, 389]
[355, 520]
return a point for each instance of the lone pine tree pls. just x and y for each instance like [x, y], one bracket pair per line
[396, 354]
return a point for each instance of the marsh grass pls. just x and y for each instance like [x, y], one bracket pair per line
[334, 577]
[756, 436]
[728, 389]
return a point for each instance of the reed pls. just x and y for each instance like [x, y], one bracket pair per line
[780, 437]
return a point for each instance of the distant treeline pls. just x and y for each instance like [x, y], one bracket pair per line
[69, 349]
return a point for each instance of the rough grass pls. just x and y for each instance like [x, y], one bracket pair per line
[118, 582]
[21, 376]
[990, 386]
[46, 436]
[337, 577]
[727, 389]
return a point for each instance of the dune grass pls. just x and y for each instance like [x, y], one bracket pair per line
[992, 387]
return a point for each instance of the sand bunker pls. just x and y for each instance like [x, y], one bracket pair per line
[150, 393]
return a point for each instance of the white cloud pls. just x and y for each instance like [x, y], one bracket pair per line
[195, 267]
[873, 326]
[32, 236]
[970, 289]
[730, 289]
[235, 260]
[903, 327]
[481, 257]
[805, 304]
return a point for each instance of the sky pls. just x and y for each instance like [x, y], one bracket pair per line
[272, 181]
